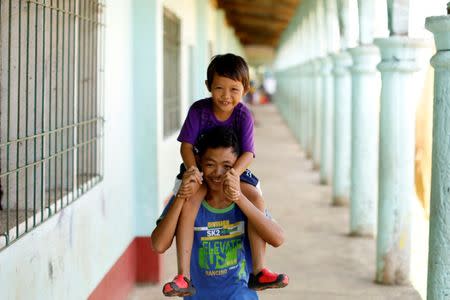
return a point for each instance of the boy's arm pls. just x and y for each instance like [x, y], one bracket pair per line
[162, 235]
[243, 162]
[187, 154]
[266, 228]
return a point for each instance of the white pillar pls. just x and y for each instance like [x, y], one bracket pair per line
[317, 87]
[439, 243]
[342, 109]
[365, 125]
[396, 158]
[365, 128]
[326, 156]
[342, 128]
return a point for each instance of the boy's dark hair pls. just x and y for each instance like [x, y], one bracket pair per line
[218, 137]
[230, 66]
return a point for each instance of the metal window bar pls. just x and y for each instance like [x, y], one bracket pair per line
[51, 108]
[172, 101]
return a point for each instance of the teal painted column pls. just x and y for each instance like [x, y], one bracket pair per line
[303, 33]
[396, 157]
[287, 95]
[303, 107]
[147, 22]
[293, 97]
[290, 97]
[365, 126]
[327, 142]
[317, 87]
[279, 92]
[309, 110]
[312, 52]
[297, 103]
[320, 51]
[364, 143]
[283, 86]
[342, 128]
[342, 109]
[282, 95]
[326, 155]
[439, 241]
[309, 50]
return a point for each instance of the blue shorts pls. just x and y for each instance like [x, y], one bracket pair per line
[247, 176]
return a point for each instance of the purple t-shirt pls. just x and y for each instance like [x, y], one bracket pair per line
[200, 118]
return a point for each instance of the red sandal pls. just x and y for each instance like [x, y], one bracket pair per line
[267, 280]
[180, 286]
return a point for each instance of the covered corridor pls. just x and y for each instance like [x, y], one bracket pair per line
[92, 97]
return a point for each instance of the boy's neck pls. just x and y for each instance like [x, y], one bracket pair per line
[217, 200]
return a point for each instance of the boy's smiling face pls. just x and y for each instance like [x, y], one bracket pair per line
[214, 164]
[226, 93]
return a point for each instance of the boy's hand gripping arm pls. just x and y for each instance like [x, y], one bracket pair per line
[162, 235]
[189, 188]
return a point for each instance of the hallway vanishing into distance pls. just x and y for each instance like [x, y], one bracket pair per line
[352, 107]
[323, 262]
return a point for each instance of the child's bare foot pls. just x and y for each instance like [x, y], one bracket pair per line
[180, 286]
[267, 280]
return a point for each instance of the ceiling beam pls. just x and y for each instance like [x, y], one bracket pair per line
[269, 14]
[260, 41]
[254, 29]
[257, 22]
[260, 7]
[262, 3]
[249, 36]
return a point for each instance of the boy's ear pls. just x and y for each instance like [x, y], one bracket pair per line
[207, 86]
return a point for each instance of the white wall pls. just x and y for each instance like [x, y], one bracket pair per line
[67, 256]
[169, 158]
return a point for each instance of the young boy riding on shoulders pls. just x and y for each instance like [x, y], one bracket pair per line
[227, 81]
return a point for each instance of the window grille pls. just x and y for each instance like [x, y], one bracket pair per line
[51, 108]
[171, 73]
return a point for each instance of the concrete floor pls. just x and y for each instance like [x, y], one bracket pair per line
[322, 261]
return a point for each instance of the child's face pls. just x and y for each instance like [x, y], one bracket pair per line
[214, 164]
[226, 93]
